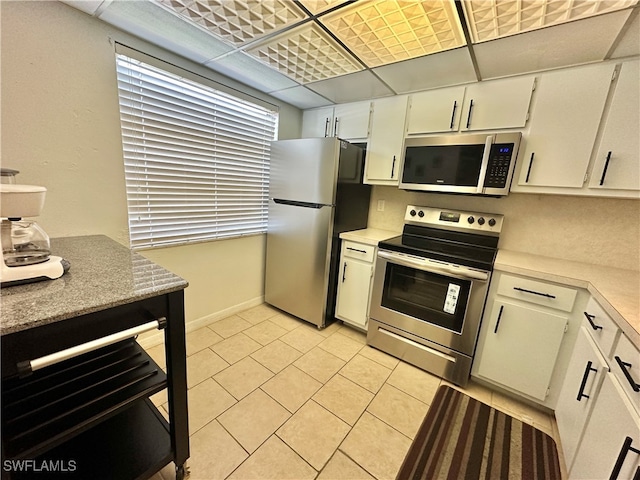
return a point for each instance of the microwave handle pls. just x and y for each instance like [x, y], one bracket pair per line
[485, 162]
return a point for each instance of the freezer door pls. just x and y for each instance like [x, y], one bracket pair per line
[298, 253]
[304, 169]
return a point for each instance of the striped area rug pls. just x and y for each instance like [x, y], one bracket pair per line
[463, 438]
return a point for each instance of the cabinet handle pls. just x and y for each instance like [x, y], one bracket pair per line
[590, 318]
[393, 166]
[604, 170]
[453, 113]
[585, 377]
[344, 272]
[548, 295]
[526, 180]
[495, 330]
[326, 127]
[469, 116]
[356, 250]
[27, 367]
[335, 127]
[624, 366]
[626, 446]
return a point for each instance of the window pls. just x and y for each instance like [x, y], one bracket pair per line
[196, 159]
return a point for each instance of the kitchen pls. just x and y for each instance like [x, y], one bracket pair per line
[61, 125]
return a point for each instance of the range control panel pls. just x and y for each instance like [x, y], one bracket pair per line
[475, 222]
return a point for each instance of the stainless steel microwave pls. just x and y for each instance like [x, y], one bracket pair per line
[478, 164]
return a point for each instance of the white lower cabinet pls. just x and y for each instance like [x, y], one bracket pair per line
[585, 373]
[611, 439]
[520, 347]
[354, 283]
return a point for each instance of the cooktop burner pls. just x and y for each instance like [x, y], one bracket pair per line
[462, 238]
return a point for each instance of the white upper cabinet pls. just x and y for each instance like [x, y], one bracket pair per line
[497, 104]
[386, 141]
[566, 113]
[617, 161]
[435, 111]
[349, 121]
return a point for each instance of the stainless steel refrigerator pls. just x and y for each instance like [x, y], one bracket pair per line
[315, 193]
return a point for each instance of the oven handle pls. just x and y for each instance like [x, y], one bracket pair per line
[458, 272]
[485, 162]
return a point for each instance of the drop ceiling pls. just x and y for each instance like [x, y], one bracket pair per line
[312, 53]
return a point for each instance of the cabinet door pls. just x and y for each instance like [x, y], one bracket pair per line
[435, 111]
[386, 141]
[317, 122]
[611, 423]
[497, 104]
[351, 120]
[565, 116]
[520, 348]
[353, 292]
[618, 158]
[585, 373]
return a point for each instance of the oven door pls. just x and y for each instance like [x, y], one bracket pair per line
[437, 301]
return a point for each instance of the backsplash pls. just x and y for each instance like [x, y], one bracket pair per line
[603, 231]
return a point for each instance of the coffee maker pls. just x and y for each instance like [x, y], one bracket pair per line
[26, 252]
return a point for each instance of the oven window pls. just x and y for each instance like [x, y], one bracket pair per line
[443, 165]
[428, 297]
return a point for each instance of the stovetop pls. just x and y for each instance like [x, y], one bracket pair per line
[461, 238]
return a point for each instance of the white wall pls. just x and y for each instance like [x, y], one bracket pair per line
[603, 231]
[60, 127]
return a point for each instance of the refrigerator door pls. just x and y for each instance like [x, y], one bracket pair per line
[304, 170]
[298, 253]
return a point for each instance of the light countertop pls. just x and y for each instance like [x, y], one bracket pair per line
[369, 236]
[617, 290]
[103, 274]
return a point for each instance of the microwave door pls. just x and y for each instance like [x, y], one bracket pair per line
[485, 161]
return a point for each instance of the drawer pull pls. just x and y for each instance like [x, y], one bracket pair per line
[27, 367]
[356, 250]
[585, 377]
[495, 330]
[624, 366]
[548, 295]
[590, 318]
[626, 446]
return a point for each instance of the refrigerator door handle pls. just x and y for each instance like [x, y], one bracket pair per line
[295, 203]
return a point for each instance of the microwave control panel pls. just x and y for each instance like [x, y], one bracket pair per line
[498, 165]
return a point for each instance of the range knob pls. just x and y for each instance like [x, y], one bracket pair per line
[481, 221]
[412, 213]
[492, 222]
[470, 219]
[421, 214]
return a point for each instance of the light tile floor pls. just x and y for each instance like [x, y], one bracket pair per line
[272, 397]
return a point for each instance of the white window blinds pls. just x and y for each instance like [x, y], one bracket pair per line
[196, 159]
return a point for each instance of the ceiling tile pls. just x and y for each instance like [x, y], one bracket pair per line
[386, 31]
[438, 70]
[238, 21]
[301, 97]
[351, 88]
[156, 25]
[574, 43]
[317, 7]
[491, 19]
[630, 42]
[306, 54]
[248, 70]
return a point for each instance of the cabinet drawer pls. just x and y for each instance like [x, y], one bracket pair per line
[358, 250]
[601, 326]
[625, 365]
[535, 291]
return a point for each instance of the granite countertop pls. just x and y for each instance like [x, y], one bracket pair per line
[369, 236]
[617, 290]
[103, 274]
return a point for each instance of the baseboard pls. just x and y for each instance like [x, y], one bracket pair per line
[156, 338]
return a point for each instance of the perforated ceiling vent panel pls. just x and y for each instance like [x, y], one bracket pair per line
[306, 54]
[386, 31]
[489, 19]
[238, 21]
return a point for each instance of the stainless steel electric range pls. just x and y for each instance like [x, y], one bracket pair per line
[430, 286]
